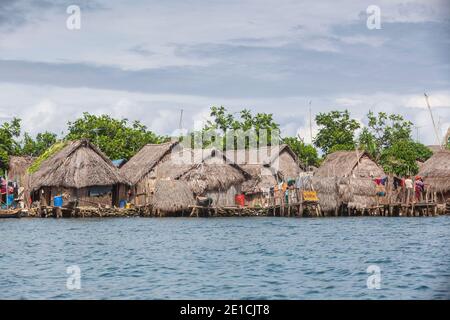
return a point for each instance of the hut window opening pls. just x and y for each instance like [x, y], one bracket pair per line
[99, 191]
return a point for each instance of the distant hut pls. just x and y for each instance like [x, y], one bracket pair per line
[18, 173]
[268, 167]
[78, 171]
[346, 178]
[208, 173]
[436, 174]
[172, 197]
[140, 170]
[18, 169]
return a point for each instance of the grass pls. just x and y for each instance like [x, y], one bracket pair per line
[54, 149]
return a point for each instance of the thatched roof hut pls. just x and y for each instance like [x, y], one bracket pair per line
[172, 196]
[141, 164]
[267, 166]
[346, 177]
[436, 171]
[79, 164]
[356, 164]
[18, 168]
[214, 172]
[204, 170]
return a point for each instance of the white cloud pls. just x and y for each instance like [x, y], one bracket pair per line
[108, 37]
[50, 108]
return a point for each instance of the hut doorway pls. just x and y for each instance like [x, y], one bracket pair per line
[115, 196]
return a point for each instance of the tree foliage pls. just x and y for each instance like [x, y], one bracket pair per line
[225, 129]
[9, 132]
[118, 139]
[306, 153]
[36, 147]
[336, 131]
[401, 158]
[383, 131]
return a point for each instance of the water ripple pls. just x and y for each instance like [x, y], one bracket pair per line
[230, 258]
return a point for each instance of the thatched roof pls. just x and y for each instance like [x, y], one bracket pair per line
[204, 170]
[357, 193]
[262, 178]
[78, 165]
[328, 192]
[435, 148]
[260, 164]
[145, 160]
[18, 167]
[261, 156]
[436, 171]
[349, 163]
[346, 177]
[172, 196]
[214, 174]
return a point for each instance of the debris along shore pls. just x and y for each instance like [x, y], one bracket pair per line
[76, 179]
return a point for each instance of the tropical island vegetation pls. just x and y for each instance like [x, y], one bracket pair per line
[386, 137]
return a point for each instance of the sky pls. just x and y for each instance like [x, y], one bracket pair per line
[149, 60]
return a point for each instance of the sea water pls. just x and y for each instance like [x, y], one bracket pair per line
[225, 258]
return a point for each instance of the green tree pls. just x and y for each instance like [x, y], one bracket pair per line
[118, 139]
[383, 131]
[336, 131]
[36, 147]
[9, 132]
[401, 158]
[306, 153]
[225, 128]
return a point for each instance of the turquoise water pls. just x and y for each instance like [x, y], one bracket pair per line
[226, 258]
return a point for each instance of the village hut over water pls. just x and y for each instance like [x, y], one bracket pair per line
[18, 169]
[436, 174]
[268, 166]
[79, 171]
[208, 172]
[346, 179]
[172, 197]
[18, 173]
[140, 170]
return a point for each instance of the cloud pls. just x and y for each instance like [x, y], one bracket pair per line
[149, 60]
[50, 108]
[116, 34]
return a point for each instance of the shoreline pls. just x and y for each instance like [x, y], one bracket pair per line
[212, 212]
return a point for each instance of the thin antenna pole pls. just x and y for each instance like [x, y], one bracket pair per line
[310, 122]
[418, 132]
[432, 119]
[180, 125]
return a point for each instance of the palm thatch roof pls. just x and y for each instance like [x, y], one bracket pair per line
[78, 165]
[349, 163]
[327, 189]
[18, 167]
[261, 156]
[214, 172]
[436, 171]
[262, 166]
[262, 178]
[204, 170]
[172, 196]
[145, 160]
[435, 148]
[346, 177]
